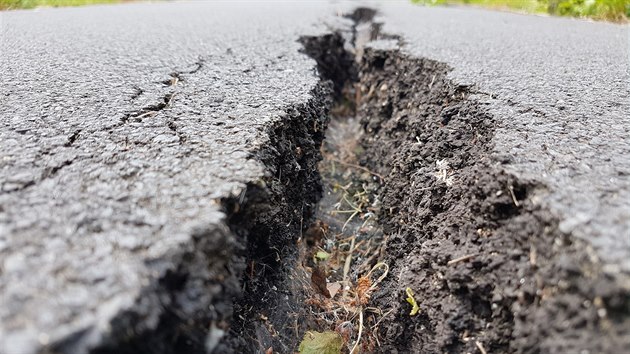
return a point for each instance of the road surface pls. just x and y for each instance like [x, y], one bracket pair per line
[125, 129]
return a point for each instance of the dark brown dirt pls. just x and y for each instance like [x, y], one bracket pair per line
[522, 285]
[490, 270]
[269, 218]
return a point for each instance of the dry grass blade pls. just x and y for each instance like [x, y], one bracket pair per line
[480, 347]
[355, 347]
[461, 259]
[359, 167]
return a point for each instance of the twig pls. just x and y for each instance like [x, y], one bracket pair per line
[375, 327]
[432, 81]
[334, 212]
[347, 221]
[511, 189]
[367, 217]
[380, 279]
[346, 267]
[149, 113]
[481, 348]
[356, 208]
[356, 166]
[360, 331]
[170, 99]
[382, 318]
[533, 255]
[461, 259]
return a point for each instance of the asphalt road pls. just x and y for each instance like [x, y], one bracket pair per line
[100, 197]
[560, 89]
[122, 126]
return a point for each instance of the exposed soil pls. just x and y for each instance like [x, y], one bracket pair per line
[342, 249]
[491, 271]
[270, 216]
[254, 296]
[410, 202]
[412, 199]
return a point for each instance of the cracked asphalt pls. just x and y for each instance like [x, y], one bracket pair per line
[123, 126]
[560, 89]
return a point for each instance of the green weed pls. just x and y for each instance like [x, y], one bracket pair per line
[29, 4]
[610, 10]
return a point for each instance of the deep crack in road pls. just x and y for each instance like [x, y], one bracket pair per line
[152, 205]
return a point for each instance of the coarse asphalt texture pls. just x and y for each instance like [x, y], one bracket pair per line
[103, 191]
[560, 89]
[123, 127]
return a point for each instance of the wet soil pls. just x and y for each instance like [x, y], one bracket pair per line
[349, 238]
[269, 217]
[412, 199]
[491, 271]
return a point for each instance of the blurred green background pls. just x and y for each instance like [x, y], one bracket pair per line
[611, 10]
[29, 4]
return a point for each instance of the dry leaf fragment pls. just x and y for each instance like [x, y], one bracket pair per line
[328, 342]
[363, 290]
[333, 289]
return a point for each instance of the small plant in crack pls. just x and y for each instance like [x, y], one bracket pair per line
[343, 247]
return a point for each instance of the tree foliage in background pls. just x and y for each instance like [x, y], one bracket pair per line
[29, 4]
[612, 10]
[616, 10]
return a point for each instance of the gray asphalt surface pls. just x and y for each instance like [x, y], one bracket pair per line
[560, 89]
[96, 205]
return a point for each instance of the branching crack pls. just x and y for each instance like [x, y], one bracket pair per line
[137, 92]
[175, 78]
[198, 65]
[172, 125]
[150, 110]
[51, 171]
[72, 138]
